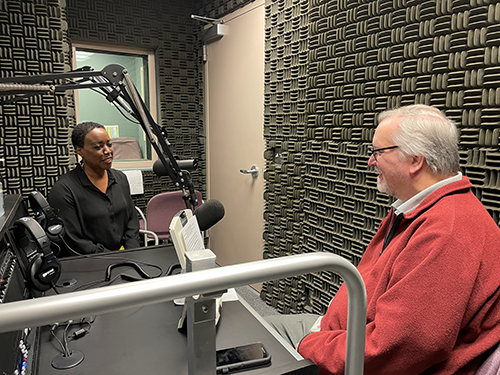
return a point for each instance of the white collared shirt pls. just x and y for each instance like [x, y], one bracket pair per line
[401, 207]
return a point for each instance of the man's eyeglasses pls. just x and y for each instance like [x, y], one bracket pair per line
[376, 151]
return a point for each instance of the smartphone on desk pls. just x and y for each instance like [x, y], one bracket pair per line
[241, 357]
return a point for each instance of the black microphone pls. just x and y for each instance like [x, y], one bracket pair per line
[184, 164]
[209, 214]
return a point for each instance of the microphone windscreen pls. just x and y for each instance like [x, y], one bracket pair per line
[184, 164]
[159, 169]
[209, 214]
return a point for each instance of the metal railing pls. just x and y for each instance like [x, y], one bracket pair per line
[46, 310]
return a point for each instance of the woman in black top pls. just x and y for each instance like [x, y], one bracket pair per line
[93, 199]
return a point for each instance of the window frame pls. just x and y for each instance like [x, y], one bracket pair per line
[153, 101]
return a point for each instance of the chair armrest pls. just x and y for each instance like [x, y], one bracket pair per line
[147, 234]
[142, 217]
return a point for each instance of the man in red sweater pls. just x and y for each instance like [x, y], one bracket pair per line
[432, 271]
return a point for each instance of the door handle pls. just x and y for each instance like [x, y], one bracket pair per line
[254, 171]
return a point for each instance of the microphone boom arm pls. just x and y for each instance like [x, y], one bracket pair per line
[112, 79]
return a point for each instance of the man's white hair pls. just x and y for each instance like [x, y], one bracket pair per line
[425, 130]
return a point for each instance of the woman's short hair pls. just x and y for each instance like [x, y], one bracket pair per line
[81, 130]
[425, 130]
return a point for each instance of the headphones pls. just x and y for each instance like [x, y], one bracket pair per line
[42, 269]
[45, 215]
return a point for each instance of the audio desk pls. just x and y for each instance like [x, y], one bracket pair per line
[142, 340]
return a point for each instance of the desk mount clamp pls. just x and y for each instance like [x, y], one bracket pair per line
[201, 318]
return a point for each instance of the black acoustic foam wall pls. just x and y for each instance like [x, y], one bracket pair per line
[324, 89]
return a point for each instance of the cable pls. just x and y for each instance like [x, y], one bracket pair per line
[52, 329]
[69, 247]
[134, 121]
[92, 283]
[127, 277]
[78, 334]
[126, 116]
[58, 249]
[124, 276]
[172, 268]
[65, 338]
[74, 335]
[94, 256]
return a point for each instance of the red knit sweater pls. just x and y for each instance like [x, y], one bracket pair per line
[432, 296]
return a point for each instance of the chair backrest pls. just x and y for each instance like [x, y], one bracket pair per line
[162, 208]
[492, 364]
[126, 148]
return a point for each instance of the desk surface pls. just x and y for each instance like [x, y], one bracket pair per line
[145, 339]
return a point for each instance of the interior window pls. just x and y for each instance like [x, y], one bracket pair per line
[131, 145]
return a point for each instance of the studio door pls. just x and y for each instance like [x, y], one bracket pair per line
[234, 79]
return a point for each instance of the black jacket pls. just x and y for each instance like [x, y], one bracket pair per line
[96, 222]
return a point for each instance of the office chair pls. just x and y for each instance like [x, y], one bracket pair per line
[126, 148]
[144, 229]
[491, 366]
[160, 211]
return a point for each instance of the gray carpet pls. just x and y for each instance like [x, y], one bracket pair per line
[252, 297]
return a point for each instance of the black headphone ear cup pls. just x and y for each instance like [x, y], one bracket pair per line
[44, 271]
[42, 267]
[55, 232]
[46, 216]
[33, 267]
